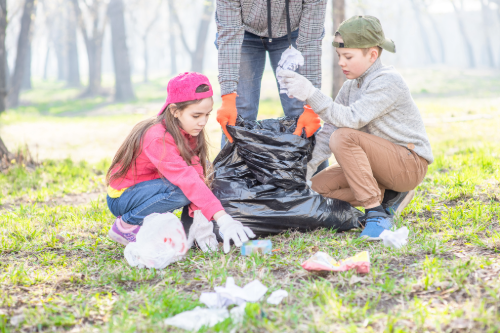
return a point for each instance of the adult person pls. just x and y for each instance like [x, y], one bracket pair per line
[246, 31]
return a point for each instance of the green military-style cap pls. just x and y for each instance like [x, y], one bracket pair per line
[363, 31]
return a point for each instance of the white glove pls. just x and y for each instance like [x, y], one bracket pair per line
[232, 229]
[298, 86]
[203, 231]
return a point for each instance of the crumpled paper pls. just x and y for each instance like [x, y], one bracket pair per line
[217, 304]
[396, 239]
[233, 294]
[277, 296]
[321, 261]
[291, 59]
[198, 317]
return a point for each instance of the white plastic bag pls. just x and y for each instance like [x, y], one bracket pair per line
[291, 59]
[396, 239]
[160, 242]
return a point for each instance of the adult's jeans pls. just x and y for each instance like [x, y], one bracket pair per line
[252, 64]
[145, 198]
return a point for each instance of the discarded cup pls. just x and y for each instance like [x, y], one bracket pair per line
[256, 246]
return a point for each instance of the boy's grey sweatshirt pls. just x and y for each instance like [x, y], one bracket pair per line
[379, 103]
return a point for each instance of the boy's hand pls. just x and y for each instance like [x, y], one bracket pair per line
[309, 121]
[227, 113]
[298, 86]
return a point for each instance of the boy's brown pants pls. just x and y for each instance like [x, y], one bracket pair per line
[367, 166]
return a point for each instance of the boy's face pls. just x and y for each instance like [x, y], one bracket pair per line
[353, 61]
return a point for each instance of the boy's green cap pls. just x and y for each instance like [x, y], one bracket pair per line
[363, 31]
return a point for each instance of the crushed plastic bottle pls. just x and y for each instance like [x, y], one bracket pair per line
[263, 246]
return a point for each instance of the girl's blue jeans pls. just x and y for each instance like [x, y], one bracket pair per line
[152, 196]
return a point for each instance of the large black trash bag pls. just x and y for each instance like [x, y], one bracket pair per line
[260, 181]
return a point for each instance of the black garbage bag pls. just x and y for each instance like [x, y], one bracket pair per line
[260, 181]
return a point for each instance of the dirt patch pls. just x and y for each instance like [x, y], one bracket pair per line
[67, 200]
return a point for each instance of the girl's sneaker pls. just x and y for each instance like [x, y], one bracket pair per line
[122, 237]
[376, 223]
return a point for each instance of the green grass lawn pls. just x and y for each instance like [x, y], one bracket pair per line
[60, 272]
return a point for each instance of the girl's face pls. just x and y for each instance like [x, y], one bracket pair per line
[195, 116]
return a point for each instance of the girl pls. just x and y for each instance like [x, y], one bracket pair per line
[163, 165]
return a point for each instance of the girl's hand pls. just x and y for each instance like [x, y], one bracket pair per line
[232, 229]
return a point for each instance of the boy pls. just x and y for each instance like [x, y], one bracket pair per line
[379, 138]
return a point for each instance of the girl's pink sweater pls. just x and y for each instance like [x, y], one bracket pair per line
[159, 157]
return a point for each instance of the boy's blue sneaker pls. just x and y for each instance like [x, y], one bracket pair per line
[376, 222]
[398, 204]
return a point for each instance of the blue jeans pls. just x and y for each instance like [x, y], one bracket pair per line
[252, 64]
[145, 198]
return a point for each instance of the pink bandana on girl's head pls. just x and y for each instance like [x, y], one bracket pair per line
[182, 88]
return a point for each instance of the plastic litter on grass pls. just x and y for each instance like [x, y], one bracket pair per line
[321, 261]
[396, 239]
[263, 246]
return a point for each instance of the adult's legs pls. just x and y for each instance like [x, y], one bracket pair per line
[145, 198]
[369, 165]
[252, 63]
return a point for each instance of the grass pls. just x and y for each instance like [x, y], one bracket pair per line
[60, 272]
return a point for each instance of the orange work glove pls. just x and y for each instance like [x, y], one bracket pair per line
[308, 120]
[227, 113]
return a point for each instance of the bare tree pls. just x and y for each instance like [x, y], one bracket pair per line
[22, 49]
[3, 56]
[338, 17]
[423, 32]
[4, 152]
[436, 31]
[486, 27]
[73, 63]
[172, 41]
[145, 34]
[198, 53]
[26, 85]
[123, 83]
[461, 26]
[497, 2]
[92, 22]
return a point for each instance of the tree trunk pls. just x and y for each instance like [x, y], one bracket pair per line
[486, 27]
[27, 71]
[123, 83]
[73, 63]
[465, 40]
[437, 32]
[94, 53]
[338, 75]
[172, 40]
[146, 58]
[199, 54]
[61, 49]
[46, 63]
[423, 33]
[3, 56]
[22, 48]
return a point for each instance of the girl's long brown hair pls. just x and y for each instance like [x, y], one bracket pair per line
[131, 148]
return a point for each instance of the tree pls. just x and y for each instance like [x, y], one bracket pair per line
[73, 63]
[338, 75]
[123, 83]
[22, 49]
[4, 152]
[436, 31]
[486, 26]
[465, 39]
[93, 15]
[26, 85]
[198, 53]
[145, 34]
[172, 41]
[423, 32]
